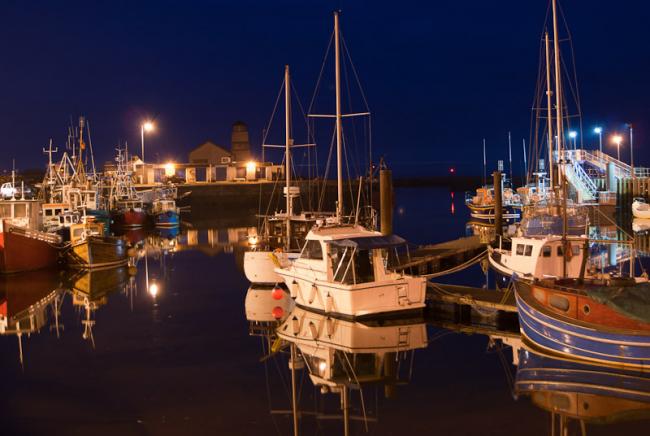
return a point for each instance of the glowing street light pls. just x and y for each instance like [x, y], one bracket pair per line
[617, 139]
[599, 132]
[153, 289]
[573, 135]
[147, 126]
[250, 166]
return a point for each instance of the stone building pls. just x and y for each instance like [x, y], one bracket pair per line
[210, 153]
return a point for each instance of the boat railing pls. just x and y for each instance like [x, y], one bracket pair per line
[34, 234]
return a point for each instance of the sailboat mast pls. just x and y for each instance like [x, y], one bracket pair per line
[339, 151]
[549, 109]
[558, 86]
[287, 152]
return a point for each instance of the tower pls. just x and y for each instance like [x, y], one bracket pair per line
[240, 145]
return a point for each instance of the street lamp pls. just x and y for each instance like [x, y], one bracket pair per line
[599, 132]
[573, 134]
[147, 126]
[617, 139]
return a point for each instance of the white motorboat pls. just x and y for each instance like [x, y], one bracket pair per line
[640, 209]
[345, 270]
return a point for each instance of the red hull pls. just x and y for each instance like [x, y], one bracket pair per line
[131, 218]
[19, 253]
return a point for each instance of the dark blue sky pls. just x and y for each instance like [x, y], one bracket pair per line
[439, 76]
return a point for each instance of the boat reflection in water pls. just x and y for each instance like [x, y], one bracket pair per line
[27, 301]
[343, 357]
[577, 394]
[90, 290]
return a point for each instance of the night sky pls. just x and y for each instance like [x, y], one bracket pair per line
[439, 76]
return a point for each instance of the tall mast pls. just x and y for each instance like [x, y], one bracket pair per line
[549, 109]
[558, 85]
[287, 151]
[339, 157]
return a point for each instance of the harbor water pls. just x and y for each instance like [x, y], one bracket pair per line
[172, 350]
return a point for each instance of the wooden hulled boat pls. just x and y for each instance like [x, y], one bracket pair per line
[90, 249]
[606, 323]
[129, 214]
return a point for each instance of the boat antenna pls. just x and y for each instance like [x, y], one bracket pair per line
[339, 119]
[558, 88]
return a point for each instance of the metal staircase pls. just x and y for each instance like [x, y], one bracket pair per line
[581, 182]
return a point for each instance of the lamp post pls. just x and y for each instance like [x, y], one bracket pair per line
[573, 134]
[599, 132]
[147, 126]
[631, 148]
[617, 139]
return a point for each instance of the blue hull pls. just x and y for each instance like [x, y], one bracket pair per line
[572, 339]
[167, 219]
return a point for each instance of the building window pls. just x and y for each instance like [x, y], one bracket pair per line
[225, 160]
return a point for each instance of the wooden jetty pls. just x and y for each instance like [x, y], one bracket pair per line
[446, 257]
[488, 299]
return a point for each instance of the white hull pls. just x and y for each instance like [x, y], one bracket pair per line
[355, 301]
[261, 306]
[259, 266]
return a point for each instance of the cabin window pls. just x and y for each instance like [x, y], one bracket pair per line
[560, 250]
[529, 250]
[341, 264]
[77, 232]
[575, 250]
[559, 302]
[546, 251]
[312, 250]
[49, 212]
[20, 210]
[539, 295]
[520, 249]
[363, 270]
[5, 210]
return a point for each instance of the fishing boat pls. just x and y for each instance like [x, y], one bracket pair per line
[282, 234]
[23, 247]
[607, 322]
[71, 192]
[90, 249]
[482, 208]
[165, 213]
[575, 391]
[126, 205]
[344, 268]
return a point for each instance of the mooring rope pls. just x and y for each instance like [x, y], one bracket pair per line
[457, 268]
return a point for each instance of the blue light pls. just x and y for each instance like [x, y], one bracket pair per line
[598, 130]
[573, 134]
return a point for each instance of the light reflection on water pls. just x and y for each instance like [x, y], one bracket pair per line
[103, 354]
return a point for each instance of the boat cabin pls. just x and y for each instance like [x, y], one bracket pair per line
[349, 254]
[21, 213]
[544, 257]
[131, 204]
[164, 205]
[79, 232]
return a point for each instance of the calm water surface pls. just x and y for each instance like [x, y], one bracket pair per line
[188, 361]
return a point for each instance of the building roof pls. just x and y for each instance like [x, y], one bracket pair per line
[210, 144]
